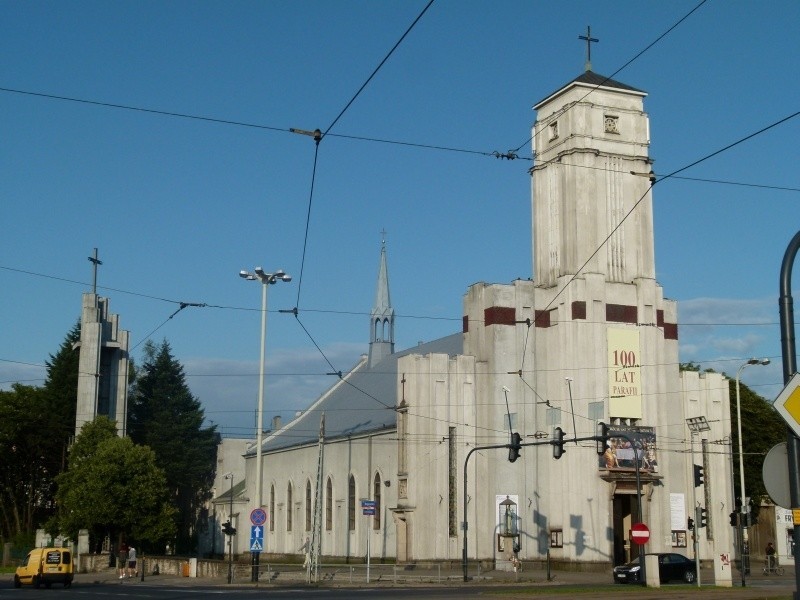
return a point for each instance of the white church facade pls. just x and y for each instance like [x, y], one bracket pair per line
[591, 338]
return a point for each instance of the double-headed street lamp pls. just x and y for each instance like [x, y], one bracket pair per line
[266, 279]
[745, 507]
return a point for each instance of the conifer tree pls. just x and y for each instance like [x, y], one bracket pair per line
[164, 415]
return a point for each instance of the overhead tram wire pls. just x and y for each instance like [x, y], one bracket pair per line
[318, 136]
[341, 312]
[646, 48]
[152, 111]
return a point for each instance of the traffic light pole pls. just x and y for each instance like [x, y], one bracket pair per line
[695, 545]
[514, 451]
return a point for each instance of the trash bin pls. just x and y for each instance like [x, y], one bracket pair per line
[185, 569]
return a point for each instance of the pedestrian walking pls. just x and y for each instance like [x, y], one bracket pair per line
[132, 570]
[122, 559]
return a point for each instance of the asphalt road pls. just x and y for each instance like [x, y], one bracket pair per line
[569, 586]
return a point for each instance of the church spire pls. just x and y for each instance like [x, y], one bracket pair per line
[381, 340]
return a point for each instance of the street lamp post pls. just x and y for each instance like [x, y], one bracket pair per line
[266, 279]
[743, 535]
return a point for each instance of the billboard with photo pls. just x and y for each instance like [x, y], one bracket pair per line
[637, 447]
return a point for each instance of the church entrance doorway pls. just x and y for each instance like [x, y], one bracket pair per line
[625, 515]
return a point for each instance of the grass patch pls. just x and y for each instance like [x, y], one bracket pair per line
[612, 590]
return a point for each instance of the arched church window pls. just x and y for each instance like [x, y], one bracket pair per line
[329, 505]
[271, 507]
[289, 507]
[308, 505]
[377, 330]
[351, 504]
[376, 496]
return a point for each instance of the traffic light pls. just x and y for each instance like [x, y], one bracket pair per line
[228, 529]
[734, 519]
[514, 447]
[602, 438]
[558, 443]
[702, 515]
[698, 475]
[690, 524]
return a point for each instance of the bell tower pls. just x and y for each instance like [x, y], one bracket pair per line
[590, 136]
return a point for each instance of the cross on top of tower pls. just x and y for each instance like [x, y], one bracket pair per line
[589, 39]
[95, 262]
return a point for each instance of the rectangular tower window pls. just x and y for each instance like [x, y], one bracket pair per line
[596, 411]
[452, 499]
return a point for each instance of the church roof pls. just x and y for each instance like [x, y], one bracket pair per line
[591, 79]
[362, 401]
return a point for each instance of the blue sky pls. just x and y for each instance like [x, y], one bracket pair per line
[177, 206]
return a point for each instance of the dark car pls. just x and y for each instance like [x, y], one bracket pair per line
[670, 566]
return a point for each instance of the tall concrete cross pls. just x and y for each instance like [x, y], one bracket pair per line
[95, 262]
[589, 39]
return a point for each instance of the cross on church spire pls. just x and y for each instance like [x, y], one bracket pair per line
[95, 262]
[589, 39]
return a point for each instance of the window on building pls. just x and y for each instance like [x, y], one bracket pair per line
[309, 504]
[596, 411]
[402, 425]
[452, 494]
[376, 491]
[556, 538]
[289, 507]
[553, 129]
[271, 507]
[351, 504]
[329, 505]
[553, 417]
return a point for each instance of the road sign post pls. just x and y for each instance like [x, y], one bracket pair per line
[258, 516]
[640, 534]
[368, 510]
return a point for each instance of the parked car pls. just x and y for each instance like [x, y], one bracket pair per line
[45, 566]
[671, 566]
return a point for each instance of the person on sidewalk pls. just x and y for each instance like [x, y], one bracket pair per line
[122, 559]
[132, 570]
[770, 552]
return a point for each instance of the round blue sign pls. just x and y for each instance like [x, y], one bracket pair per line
[258, 516]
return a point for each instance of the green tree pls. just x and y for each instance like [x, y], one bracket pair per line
[114, 486]
[762, 428]
[26, 483]
[36, 425]
[164, 415]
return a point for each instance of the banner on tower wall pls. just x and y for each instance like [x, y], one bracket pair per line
[624, 374]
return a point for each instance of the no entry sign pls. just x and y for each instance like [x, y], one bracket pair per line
[640, 533]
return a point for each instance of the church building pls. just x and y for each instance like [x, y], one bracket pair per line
[392, 460]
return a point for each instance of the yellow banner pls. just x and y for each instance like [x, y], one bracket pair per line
[624, 374]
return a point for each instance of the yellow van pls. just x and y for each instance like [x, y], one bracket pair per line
[46, 566]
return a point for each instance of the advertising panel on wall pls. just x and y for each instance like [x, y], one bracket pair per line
[638, 447]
